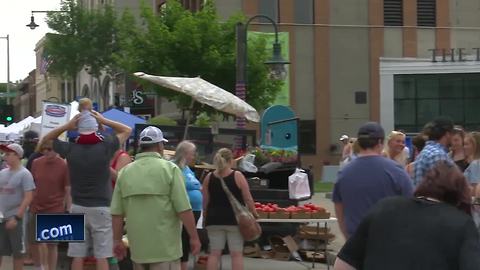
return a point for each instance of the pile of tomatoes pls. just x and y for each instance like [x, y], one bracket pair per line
[272, 208]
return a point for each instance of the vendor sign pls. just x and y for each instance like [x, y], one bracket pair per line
[53, 116]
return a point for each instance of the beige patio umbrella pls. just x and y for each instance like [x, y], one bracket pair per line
[206, 93]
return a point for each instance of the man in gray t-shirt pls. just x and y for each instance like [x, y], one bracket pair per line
[16, 193]
[89, 168]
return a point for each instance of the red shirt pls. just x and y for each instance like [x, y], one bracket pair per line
[51, 177]
[113, 165]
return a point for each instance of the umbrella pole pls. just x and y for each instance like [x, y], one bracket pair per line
[189, 116]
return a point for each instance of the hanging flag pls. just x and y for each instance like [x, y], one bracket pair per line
[45, 62]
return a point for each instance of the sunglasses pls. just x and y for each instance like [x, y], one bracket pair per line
[47, 149]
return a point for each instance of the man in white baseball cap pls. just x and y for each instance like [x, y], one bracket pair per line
[344, 139]
[155, 244]
[347, 147]
[151, 135]
[16, 193]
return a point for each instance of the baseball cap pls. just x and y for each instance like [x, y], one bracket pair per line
[30, 136]
[151, 135]
[371, 130]
[343, 137]
[13, 147]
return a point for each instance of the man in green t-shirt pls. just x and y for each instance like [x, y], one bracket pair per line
[151, 196]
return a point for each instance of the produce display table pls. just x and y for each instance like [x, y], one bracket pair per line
[325, 223]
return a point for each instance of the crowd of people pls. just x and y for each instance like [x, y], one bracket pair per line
[397, 209]
[402, 212]
[149, 198]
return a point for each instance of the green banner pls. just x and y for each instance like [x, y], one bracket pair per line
[283, 97]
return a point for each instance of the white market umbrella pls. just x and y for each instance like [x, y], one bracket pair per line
[206, 93]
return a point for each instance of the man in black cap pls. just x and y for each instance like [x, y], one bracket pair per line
[367, 179]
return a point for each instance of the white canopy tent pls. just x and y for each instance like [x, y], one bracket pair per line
[16, 130]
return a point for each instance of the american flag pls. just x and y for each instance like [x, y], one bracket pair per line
[45, 63]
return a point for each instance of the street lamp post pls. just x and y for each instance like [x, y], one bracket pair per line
[276, 64]
[7, 37]
[32, 25]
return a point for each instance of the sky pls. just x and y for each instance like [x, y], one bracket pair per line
[14, 15]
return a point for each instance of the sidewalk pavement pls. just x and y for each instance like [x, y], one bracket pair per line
[261, 264]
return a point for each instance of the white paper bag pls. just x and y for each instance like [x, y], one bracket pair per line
[298, 187]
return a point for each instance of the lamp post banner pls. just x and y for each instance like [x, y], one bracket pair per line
[283, 97]
[53, 116]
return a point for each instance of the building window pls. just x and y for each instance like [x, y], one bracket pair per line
[269, 8]
[393, 12]
[307, 137]
[426, 13]
[304, 10]
[419, 99]
[192, 5]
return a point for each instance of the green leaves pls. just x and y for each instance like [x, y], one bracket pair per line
[174, 42]
[83, 38]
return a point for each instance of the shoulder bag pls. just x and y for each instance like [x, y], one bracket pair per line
[248, 225]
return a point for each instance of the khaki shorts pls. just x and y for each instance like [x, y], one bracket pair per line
[218, 235]
[98, 233]
[174, 265]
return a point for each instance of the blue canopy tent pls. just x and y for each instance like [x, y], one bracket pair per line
[118, 116]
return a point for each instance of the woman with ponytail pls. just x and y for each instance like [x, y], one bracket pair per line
[220, 221]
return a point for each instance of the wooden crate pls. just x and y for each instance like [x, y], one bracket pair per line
[262, 214]
[279, 215]
[321, 215]
[301, 215]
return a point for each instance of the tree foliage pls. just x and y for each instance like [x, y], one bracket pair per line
[83, 38]
[177, 42]
[174, 42]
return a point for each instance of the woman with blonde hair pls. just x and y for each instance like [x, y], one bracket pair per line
[220, 221]
[394, 148]
[185, 156]
[472, 153]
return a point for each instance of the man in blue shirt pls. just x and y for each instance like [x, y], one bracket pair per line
[367, 179]
[439, 133]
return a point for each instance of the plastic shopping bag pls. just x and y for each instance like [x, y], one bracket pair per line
[246, 165]
[298, 187]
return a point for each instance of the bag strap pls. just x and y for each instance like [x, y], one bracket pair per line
[236, 205]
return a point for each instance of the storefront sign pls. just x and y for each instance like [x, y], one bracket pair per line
[137, 97]
[453, 55]
[53, 116]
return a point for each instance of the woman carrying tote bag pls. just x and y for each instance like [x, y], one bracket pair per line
[220, 217]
